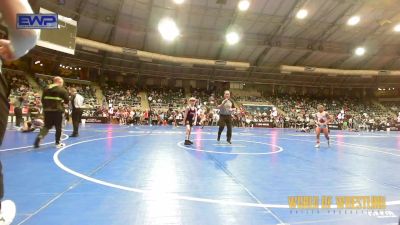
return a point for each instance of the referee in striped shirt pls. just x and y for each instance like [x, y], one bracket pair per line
[225, 116]
[54, 98]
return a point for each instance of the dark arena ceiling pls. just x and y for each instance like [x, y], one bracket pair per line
[271, 35]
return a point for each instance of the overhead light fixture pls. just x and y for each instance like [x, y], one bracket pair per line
[244, 5]
[397, 28]
[179, 1]
[360, 51]
[168, 29]
[232, 38]
[354, 20]
[41, 64]
[301, 14]
[37, 62]
[79, 68]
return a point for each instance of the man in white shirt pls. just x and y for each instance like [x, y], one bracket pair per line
[77, 110]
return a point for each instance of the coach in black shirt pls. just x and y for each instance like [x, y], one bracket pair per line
[53, 100]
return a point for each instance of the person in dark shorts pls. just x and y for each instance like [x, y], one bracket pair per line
[189, 119]
[225, 116]
[18, 106]
[19, 43]
[54, 98]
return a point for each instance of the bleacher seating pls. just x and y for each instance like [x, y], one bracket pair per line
[121, 94]
[166, 97]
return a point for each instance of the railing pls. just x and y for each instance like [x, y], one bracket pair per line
[126, 102]
[20, 72]
[166, 105]
[68, 80]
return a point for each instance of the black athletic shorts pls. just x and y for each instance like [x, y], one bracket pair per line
[190, 122]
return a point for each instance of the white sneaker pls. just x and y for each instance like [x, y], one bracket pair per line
[61, 145]
[7, 214]
[317, 145]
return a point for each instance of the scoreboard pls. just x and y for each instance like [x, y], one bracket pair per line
[61, 39]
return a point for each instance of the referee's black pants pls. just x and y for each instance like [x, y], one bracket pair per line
[52, 118]
[4, 109]
[76, 119]
[225, 120]
[18, 116]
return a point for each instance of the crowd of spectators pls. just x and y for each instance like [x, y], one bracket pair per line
[88, 92]
[18, 83]
[203, 96]
[348, 113]
[392, 106]
[166, 97]
[23, 98]
[19, 86]
[121, 95]
[167, 106]
[250, 99]
[125, 115]
[43, 82]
